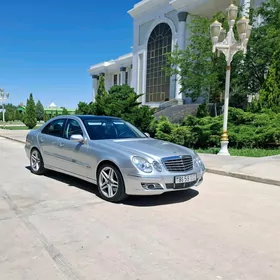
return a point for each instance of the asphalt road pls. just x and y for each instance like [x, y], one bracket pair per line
[56, 227]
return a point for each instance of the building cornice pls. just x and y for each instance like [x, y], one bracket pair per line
[181, 4]
[195, 7]
[200, 7]
[144, 6]
[122, 61]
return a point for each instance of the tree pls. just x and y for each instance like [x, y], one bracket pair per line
[264, 41]
[10, 112]
[202, 73]
[101, 86]
[64, 111]
[97, 108]
[19, 115]
[141, 117]
[40, 111]
[83, 108]
[47, 117]
[30, 119]
[120, 101]
[270, 93]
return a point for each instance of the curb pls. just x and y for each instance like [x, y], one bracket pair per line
[243, 177]
[12, 139]
[210, 170]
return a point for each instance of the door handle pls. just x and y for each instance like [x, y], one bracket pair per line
[61, 145]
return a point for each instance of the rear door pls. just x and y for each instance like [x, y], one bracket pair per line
[49, 139]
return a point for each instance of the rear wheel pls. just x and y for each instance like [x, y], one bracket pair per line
[36, 162]
[110, 183]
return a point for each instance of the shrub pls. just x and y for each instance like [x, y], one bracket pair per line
[141, 117]
[202, 111]
[246, 130]
[152, 129]
[164, 129]
[181, 135]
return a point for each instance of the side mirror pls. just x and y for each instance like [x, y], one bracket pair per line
[147, 134]
[77, 138]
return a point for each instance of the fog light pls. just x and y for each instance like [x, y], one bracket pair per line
[151, 186]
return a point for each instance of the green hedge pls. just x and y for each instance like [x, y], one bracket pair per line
[246, 130]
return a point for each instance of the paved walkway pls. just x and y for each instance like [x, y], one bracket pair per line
[55, 227]
[18, 135]
[264, 170]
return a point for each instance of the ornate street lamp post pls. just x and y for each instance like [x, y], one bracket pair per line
[3, 97]
[226, 43]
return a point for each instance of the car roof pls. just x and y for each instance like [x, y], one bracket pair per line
[86, 117]
[95, 117]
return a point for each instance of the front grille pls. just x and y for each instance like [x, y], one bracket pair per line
[178, 164]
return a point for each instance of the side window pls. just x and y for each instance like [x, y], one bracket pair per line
[54, 128]
[72, 127]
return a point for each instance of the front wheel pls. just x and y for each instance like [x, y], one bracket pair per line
[110, 183]
[36, 162]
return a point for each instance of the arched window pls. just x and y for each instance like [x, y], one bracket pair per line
[157, 83]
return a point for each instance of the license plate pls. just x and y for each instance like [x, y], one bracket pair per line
[185, 179]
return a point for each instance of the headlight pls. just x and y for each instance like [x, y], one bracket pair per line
[142, 164]
[157, 166]
[197, 161]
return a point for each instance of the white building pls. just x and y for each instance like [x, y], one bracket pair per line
[159, 25]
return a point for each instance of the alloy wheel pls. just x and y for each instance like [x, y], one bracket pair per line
[108, 182]
[35, 160]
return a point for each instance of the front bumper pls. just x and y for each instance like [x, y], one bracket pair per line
[138, 184]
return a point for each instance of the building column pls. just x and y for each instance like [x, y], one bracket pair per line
[123, 71]
[182, 17]
[94, 86]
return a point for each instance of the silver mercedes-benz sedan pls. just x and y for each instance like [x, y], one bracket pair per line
[113, 154]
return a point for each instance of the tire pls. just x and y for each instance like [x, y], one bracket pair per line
[110, 183]
[36, 162]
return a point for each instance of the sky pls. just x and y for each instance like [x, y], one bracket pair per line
[47, 47]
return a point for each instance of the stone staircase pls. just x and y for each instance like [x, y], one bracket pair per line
[167, 104]
[177, 113]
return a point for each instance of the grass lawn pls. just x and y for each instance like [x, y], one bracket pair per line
[12, 123]
[17, 127]
[22, 127]
[243, 152]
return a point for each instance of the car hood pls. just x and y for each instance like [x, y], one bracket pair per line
[147, 146]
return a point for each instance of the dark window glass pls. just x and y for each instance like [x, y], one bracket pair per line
[115, 79]
[126, 78]
[159, 44]
[101, 129]
[72, 128]
[54, 128]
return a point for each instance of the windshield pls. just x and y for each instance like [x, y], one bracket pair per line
[101, 129]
